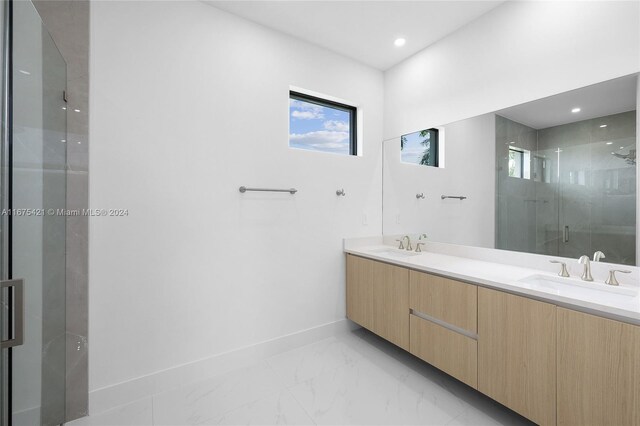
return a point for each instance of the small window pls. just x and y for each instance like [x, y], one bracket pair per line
[420, 148]
[321, 125]
[519, 163]
[516, 163]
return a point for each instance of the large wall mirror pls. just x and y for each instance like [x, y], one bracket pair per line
[556, 176]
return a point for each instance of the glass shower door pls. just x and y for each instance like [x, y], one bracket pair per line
[37, 223]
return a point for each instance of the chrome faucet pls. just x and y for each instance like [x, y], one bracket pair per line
[419, 243]
[586, 274]
[563, 268]
[598, 255]
[409, 246]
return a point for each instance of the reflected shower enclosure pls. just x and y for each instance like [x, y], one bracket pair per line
[567, 189]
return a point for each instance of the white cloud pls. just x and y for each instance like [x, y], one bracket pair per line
[340, 126]
[323, 140]
[307, 115]
[305, 110]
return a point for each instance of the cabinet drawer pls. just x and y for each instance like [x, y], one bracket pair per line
[451, 352]
[448, 300]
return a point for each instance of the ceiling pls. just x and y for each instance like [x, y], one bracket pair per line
[363, 30]
[598, 100]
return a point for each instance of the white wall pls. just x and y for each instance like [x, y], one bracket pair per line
[518, 52]
[469, 170]
[188, 103]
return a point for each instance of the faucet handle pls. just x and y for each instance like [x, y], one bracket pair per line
[598, 255]
[401, 246]
[563, 268]
[612, 280]
[418, 244]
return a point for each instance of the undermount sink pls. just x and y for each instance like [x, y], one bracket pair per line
[578, 289]
[395, 252]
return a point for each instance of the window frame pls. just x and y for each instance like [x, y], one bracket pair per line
[434, 148]
[521, 155]
[352, 110]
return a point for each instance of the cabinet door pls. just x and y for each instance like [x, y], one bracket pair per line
[360, 291]
[391, 303]
[517, 354]
[598, 370]
[451, 301]
[451, 352]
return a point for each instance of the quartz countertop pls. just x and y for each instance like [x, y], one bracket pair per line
[620, 303]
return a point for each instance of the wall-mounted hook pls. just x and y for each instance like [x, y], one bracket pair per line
[340, 192]
[420, 195]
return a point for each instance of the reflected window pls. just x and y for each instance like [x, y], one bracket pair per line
[519, 163]
[420, 148]
[317, 124]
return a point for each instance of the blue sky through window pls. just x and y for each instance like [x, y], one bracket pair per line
[318, 128]
[414, 148]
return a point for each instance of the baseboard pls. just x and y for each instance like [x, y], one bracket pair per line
[103, 399]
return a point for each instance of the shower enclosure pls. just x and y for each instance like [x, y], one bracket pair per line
[32, 224]
[568, 190]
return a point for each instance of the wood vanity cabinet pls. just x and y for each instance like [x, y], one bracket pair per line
[550, 364]
[598, 370]
[517, 354]
[443, 325]
[378, 298]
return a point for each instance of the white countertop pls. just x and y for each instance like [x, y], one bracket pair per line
[591, 297]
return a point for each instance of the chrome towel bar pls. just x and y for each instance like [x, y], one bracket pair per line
[244, 189]
[459, 197]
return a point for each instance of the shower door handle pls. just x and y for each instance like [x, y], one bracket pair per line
[565, 234]
[17, 308]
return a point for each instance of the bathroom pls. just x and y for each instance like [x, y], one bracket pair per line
[319, 212]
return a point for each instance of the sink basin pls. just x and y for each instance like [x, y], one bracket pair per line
[579, 289]
[394, 252]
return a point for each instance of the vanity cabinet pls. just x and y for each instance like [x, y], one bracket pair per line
[378, 298]
[517, 354]
[598, 370]
[550, 364]
[443, 325]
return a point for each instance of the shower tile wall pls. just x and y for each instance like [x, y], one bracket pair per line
[68, 23]
[515, 198]
[580, 179]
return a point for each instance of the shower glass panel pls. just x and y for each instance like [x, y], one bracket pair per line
[38, 226]
[580, 196]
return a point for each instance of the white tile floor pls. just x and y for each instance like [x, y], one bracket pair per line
[353, 379]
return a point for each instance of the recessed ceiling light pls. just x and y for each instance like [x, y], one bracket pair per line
[609, 143]
[511, 143]
[63, 140]
[400, 42]
[602, 126]
[64, 108]
[24, 72]
[575, 110]
[76, 110]
[622, 147]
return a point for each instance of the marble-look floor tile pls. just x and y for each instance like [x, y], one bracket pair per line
[304, 363]
[203, 402]
[365, 394]
[277, 409]
[354, 378]
[138, 413]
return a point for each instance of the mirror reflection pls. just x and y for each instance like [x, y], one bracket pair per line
[556, 176]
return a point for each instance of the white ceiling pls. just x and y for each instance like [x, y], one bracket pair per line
[363, 30]
[598, 100]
